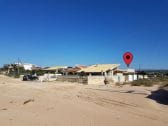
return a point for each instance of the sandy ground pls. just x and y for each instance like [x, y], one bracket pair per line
[65, 104]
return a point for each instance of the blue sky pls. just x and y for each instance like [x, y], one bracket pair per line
[69, 32]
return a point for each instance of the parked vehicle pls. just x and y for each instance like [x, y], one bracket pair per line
[29, 77]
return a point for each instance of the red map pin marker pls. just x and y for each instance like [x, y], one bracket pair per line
[128, 57]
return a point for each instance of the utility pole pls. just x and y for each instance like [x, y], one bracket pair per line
[138, 73]
[18, 66]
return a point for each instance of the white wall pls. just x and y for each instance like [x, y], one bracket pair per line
[49, 77]
[143, 77]
[132, 77]
[119, 78]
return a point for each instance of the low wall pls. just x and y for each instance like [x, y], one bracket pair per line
[48, 77]
[84, 80]
[73, 79]
[96, 80]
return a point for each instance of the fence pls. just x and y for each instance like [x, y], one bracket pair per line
[78, 79]
[96, 80]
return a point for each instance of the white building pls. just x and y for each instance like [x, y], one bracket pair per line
[27, 66]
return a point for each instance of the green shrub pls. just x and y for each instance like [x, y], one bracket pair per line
[17, 76]
[39, 72]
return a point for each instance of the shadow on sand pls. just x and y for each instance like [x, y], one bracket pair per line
[160, 96]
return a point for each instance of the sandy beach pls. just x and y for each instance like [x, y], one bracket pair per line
[72, 104]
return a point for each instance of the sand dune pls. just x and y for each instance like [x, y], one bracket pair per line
[67, 104]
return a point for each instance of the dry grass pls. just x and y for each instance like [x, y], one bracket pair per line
[150, 82]
[144, 82]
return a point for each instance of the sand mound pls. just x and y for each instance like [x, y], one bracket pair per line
[67, 104]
